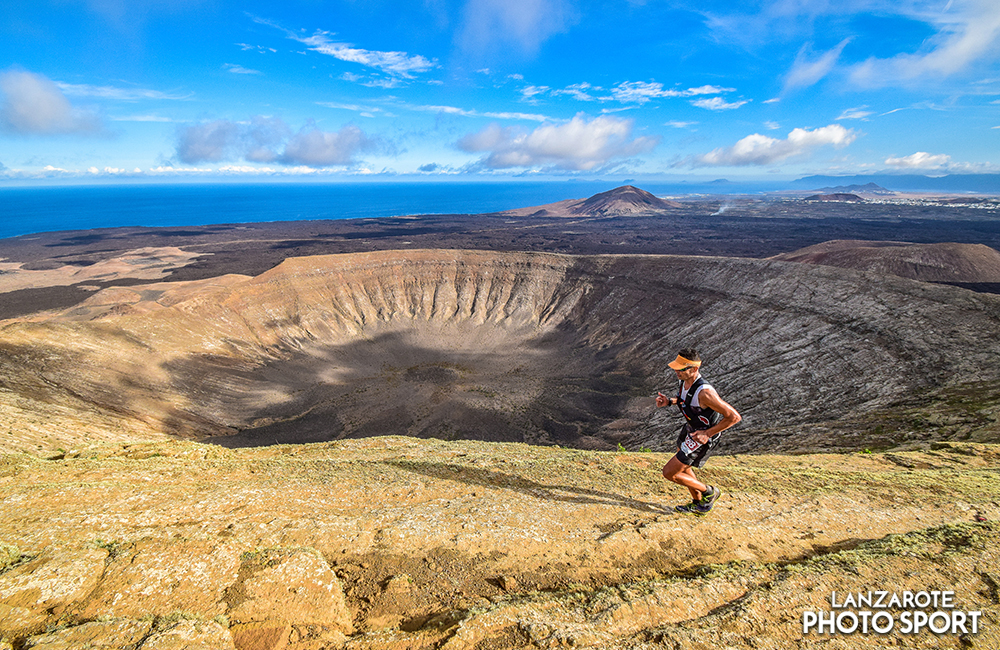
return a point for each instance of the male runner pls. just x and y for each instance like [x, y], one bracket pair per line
[706, 415]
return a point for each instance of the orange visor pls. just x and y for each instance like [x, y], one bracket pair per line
[680, 363]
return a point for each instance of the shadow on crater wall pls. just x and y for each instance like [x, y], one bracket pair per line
[551, 391]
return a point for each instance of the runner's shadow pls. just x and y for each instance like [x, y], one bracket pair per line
[500, 481]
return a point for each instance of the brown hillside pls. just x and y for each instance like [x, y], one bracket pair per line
[947, 262]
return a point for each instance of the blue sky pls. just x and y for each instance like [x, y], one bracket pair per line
[470, 89]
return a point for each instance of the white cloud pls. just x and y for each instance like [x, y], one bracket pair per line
[578, 145]
[141, 118]
[922, 160]
[807, 72]
[399, 64]
[255, 48]
[33, 105]
[364, 111]
[919, 160]
[113, 171]
[209, 142]
[382, 82]
[529, 93]
[438, 169]
[677, 124]
[706, 90]
[246, 169]
[967, 31]
[180, 170]
[262, 136]
[436, 108]
[301, 169]
[859, 113]
[226, 140]
[505, 27]
[269, 140]
[760, 149]
[626, 92]
[534, 117]
[641, 92]
[396, 64]
[465, 112]
[374, 82]
[964, 34]
[121, 94]
[578, 91]
[719, 104]
[323, 148]
[238, 69]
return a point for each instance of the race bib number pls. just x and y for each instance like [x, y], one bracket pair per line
[690, 445]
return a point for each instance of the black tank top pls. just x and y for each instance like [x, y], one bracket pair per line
[699, 418]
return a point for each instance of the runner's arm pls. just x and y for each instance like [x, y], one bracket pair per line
[663, 400]
[708, 398]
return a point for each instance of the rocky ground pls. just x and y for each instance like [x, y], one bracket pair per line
[944, 262]
[403, 543]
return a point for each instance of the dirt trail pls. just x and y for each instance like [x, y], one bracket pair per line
[398, 542]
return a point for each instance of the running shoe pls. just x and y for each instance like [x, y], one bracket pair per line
[688, 508]
[707, 502]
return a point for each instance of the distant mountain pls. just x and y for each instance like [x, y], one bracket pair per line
[621, 201]
[986, 183]
[867, 188]
[947, 262]
[845, 198]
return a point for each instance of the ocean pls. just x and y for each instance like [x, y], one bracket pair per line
[25, 210]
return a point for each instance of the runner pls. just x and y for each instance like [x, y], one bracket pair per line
[706, 415]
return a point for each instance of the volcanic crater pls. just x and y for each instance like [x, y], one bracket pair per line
[523, 347]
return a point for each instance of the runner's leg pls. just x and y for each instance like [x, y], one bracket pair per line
[696, 494]
[682, 474]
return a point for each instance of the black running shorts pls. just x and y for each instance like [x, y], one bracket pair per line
[691, 452]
